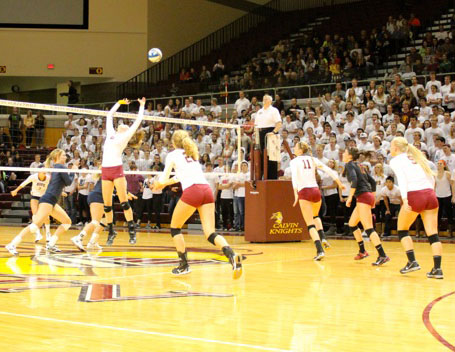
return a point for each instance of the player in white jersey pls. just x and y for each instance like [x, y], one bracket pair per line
[416, 183]
[39, 183]
[197, 194]
[112, 169]
[307, 194]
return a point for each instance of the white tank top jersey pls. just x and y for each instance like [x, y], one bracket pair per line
[442, 188]
[410, 176]
[187, 170]
[148, 184]
[303, 170]
[115, 143]
[38, 187]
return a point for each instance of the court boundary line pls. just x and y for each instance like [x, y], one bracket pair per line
[429, 325]
[145, 332]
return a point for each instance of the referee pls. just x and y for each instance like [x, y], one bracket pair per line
[268, 120]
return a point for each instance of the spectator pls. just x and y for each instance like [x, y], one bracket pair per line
[392, 201]
[40, 126]
[241, 103]
[73, 95]
[15, 125]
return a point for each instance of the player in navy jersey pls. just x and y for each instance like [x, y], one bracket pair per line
[48, 203]
[363, 187]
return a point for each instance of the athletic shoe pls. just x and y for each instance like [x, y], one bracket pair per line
[156, 227]
[319, 256]
[110, 238]
[77, 241]
[182, 269]
[38, 236]
[410, 267]
[381, 260]
[361, 255]
[138, 226]
[148, 227]
[435, 274]
[132, 233]
[236, 262]
[94, 246]
[53, 249]
[80, 223]
[12, 249]
[326, 244]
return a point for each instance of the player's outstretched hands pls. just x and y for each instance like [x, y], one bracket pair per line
[124, 101]
[142, 101]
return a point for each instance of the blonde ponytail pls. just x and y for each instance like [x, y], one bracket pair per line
[52, 156]
[304, 147]
[182, 140]
[403, 146]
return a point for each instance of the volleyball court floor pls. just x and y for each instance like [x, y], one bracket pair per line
[125, 299]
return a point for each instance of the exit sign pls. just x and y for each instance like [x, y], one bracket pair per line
[95, 70]
[2, 69]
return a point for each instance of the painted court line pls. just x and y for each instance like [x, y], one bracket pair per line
[137, 331]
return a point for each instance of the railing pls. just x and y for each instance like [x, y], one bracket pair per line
[216, 40]
[302, 92]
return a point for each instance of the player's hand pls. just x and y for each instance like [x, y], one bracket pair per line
[341, 186]
[387, 212]
[75, 165]
[406, 206]
[157, 186]
[131, 196]
[142, 101]
[124, 101]
[453, 199]
[64, 194]
[348, 202]
[14, 193]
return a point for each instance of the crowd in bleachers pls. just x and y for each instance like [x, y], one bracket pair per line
[314, 58]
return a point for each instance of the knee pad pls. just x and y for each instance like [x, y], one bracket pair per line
[175, 232]
[402, 234]
[433, 239]
[107, 208]
[125, 205]
[353, 229]
[94, 222]
[66, 226]
[311, 227]
[33, 227]
[369, 232]
[212, 237]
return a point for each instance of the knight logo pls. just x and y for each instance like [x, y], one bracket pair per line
[278, 217]
[283, 228]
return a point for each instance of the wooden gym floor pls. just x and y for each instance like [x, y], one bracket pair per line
[124, 299]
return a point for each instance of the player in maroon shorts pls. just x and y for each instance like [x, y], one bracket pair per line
[307, 194]
[112, 169]
[363, 187]
[416, 184]
[197, 194]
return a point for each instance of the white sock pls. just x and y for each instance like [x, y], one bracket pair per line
[94, 237]
[53, 240]
[82, 234]
[48, 228]
[16, 240]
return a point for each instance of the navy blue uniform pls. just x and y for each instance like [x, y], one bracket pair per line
[96, 195]
[58, 181]
[361, 181]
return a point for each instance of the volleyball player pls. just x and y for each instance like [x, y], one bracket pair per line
[39, 182]
[307, 194]
[48, 204]
[416, 183]
[112, 169]
[197, 194]
[96, 226]
[363, 187]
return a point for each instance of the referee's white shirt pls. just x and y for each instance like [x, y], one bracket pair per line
[267, 117]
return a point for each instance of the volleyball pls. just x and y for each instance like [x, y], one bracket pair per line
[154, 55]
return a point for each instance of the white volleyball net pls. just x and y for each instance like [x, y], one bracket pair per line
[88, 113]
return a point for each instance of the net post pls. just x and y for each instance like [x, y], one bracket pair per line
[239, 147]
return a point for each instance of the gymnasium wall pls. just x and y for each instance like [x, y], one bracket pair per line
[115, 40]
